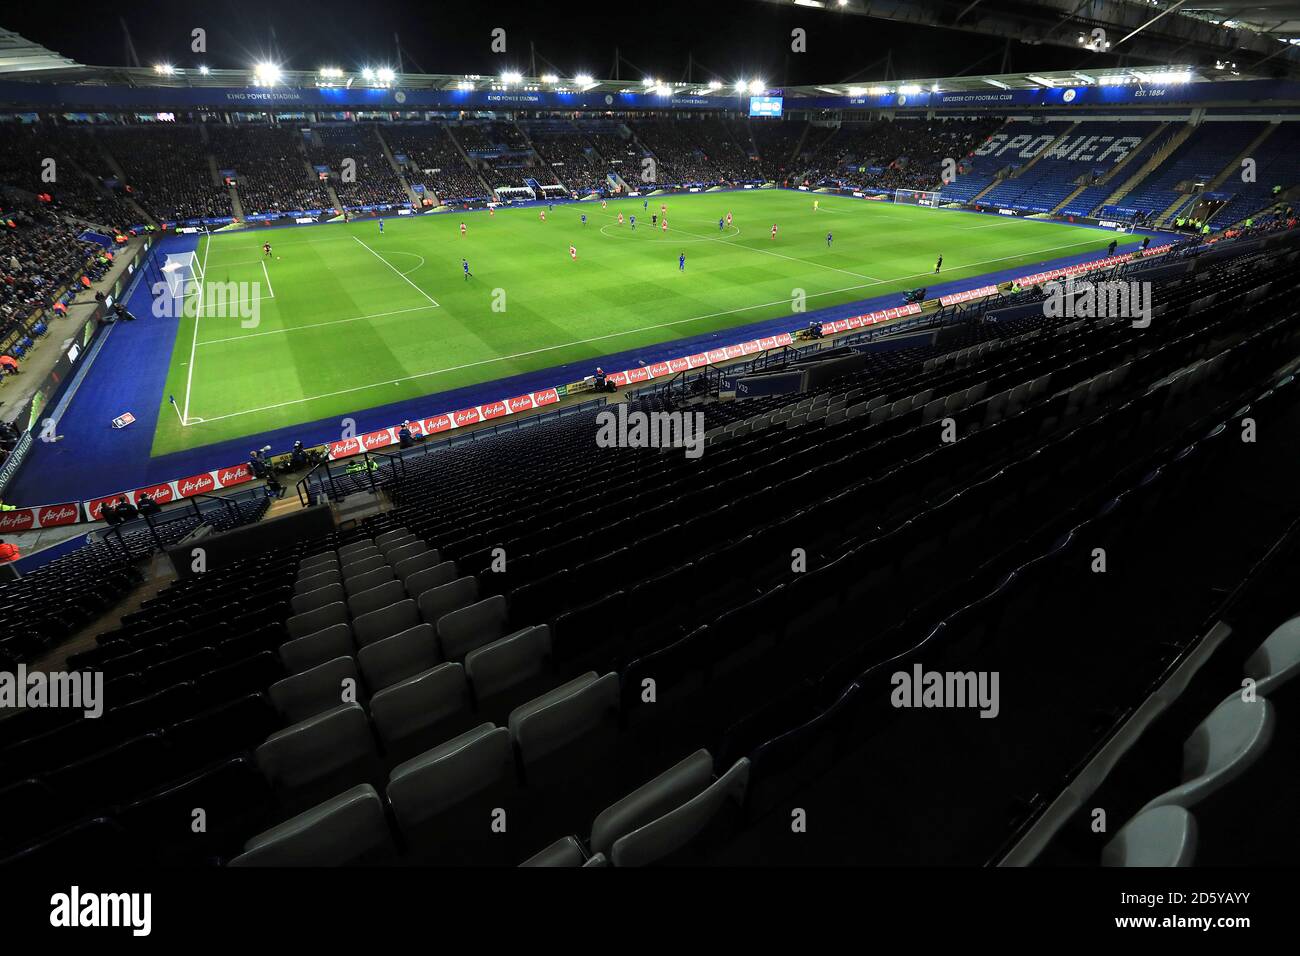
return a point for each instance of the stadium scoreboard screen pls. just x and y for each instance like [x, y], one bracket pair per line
[765, 106]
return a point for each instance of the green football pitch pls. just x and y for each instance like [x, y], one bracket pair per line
[341, 318]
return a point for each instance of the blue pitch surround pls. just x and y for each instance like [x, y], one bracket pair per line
[130, 372]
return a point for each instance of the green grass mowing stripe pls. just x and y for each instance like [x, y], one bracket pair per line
[352, 323]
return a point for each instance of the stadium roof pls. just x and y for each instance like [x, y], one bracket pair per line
[1252, 33]
[21, 58]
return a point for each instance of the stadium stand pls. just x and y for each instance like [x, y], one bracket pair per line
[375, 183]
[572, 158]
[167, 171]
[1197, 161]
[479, 687]
[79, 172]
[434, 161]
[270, 166]
[1276, 169]
[1087, 153]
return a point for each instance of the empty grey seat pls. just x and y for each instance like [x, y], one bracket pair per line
[421, 562]
[313, 650]
[300, 625]
[976, 392]
[385, 622]
[320, 757]
[396, 658]
[407, 550]
[563, 852]
[466, 628]
[398, 544]
[326, 559]
[445, 798]
[876, 402]
[316, 689]
[434, 576]
[362, 566]
[900, 407]
[1277, 660]
[312, 600]
[354, 547]
[445, 598]
[1222, 748]
[317, 580]
[347, 830]
[1017, 398]
[933, 410]
[573, 724]
[649, 835]
[371, 579]
[387, 536]
[1161, 836]
[879, 414]
[509, 664]
[668, 791]
[421, 711]
[372, 599]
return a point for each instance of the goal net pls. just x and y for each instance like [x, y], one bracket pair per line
[183, 276]
[917, 197]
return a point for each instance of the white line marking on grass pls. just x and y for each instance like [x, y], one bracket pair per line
[598, 338]
[317, 325]
[398, 274]
[769, 252]
[268, 279]
[194, 343]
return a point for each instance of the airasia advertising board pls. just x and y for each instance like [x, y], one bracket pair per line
[203, 483]
[42, 516]
[461, 418]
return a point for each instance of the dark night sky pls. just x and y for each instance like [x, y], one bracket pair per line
[735, 38]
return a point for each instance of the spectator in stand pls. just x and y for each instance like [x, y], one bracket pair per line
[146, 505]
[8, 552]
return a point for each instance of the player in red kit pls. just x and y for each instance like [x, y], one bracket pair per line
[573, 253]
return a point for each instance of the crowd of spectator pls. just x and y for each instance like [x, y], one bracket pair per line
[433, 160]
[167, 171]
[571, 157]
[902, 154]
[376, 182]
[728, 146]
[678, 156]
[271, 172]
[74, 182]
[777, 141]
[39, 255]
[619, 150]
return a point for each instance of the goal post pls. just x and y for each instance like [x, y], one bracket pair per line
[183, 275]
[917, 197]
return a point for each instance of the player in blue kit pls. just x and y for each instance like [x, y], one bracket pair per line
[681, 262]
[584, 218]
[381, 227]
[464, 264]
[720, 224]
[828, 239]
[632, 220]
